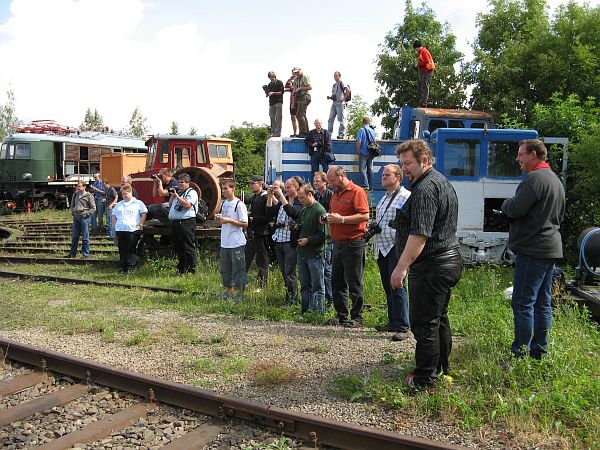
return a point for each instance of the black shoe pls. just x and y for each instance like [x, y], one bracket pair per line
[340, 137]
[337, 322]
[386, 329]
[400, 336]
[354, 324]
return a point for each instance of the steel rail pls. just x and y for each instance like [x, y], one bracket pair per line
[50, 250]
[57, 261]
[310, 428]
[33, 277]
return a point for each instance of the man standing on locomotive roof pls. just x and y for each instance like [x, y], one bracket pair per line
[275, 91]
[182, 217]
[257, 230]
[536, 210]
[348, 212]
[339, 91]
[427, 244]
[83, 206]
[425, 66]
[302, 89]
[161, 183]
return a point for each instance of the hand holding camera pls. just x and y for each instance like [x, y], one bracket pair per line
[372, 229]
[172, 191]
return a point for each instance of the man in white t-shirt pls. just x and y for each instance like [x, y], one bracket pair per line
[128, 217]
[233, 218]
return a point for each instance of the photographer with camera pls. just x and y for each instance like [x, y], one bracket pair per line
[289, 87]
[301, 91]
[274, 90]
[182, 217]
[161, 183]
[323, 196]
[257, 230]
[318, 143]
[348, 212]
[311, 249]
[285, 212]
[385, 250]
[365, 136]
[339, 91]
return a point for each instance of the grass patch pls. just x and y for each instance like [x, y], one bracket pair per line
[318, 348]
[140, 338]
[269, 374]
[226, 366]
[555, 401]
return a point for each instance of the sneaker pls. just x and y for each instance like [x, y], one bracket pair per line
[237, 298]
[225, 296]
[401, 336]
[340, 137]
[409, 381]
[337, 322]
[354, 324]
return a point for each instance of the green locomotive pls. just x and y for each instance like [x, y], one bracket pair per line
[39, 170]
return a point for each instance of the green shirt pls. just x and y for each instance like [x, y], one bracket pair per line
[311, 228]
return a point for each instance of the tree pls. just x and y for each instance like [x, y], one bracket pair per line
[137, 124]
[248, 150]
[174, 128]
[357, 110]
[92, 121]
[396, 74]
[522, 58]
[8, 118]
[193, 131]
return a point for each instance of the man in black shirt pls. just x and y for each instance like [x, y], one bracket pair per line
[318, 142]
[161, 184]
[258, 221]
[427, 244]
[275, 94]
[323, 195]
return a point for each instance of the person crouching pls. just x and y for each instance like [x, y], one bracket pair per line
[128, 217]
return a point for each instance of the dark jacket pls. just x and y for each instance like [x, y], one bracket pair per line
[536, 210]
[323, 139]
[257, 211]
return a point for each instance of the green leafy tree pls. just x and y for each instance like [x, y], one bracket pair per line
[522, 57]
[193, 131]
[137, 124]
[8, 117]
[396, 74]
[357, 110]
[92, 121]
[248, 150]
[174, 128]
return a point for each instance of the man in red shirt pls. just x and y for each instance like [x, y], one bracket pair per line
[348, 213]
[426, 66]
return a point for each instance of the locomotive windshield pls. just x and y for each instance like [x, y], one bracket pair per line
[501, 160]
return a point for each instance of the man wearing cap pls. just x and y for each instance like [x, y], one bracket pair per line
[425, 66]
[301, 91]
[258, 221]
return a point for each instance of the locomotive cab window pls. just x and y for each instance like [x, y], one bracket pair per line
[23, 151]
[217, 151]
[461, 157]
[435, 124]
[3, 151]
[456, 124]
[163, 155]
[501, 160]
[200, 156]
[182, 156]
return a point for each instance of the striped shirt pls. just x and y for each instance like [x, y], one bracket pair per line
[385, 240]
[432, 211]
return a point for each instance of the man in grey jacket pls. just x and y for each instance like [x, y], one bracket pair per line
[83, 206]
[536, 212]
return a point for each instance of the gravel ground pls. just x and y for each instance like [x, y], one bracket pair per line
[315, 356]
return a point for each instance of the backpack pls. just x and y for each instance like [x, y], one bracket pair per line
[202, 209]
[348, 96]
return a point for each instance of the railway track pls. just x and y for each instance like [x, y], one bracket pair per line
[143, 397]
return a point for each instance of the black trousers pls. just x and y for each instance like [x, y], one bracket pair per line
[257, 246]
[127, 242]
[183, 234]
[347, 270]
[429, 287]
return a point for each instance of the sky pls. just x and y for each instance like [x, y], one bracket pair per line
[200, 63]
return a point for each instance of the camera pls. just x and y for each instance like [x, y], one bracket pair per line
[218, 216]
[394, 223]
[172, 190]
[372, 230]
[266, 89]
[154, 176]
[324, 217]
[279, 225]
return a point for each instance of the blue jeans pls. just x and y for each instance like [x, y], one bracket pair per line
[81, 227]
[327, 270]
[315, 161]
[365, 166]
[109, 229]
[532, 305]
[310, 272]
[98, 216]
[338, 110]
[397, 299]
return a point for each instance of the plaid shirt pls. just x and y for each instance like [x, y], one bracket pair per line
[384, 241]
[282, 233]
